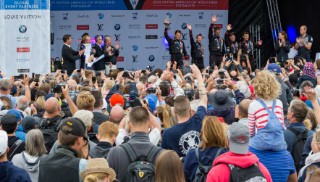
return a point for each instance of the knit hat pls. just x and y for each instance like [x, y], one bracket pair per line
[3, 142]
[98, 165]
[116, 99]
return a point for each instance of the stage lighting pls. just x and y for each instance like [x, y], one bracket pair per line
[292, 34]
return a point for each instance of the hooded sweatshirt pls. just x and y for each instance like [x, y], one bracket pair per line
[11, 173]
[313, 159]
[220, 171]
[28, 163]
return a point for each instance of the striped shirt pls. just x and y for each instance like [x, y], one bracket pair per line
[258, 116]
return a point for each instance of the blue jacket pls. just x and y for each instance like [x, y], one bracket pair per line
[20, 133]
[206, 158]
[290, 137]
[11, 173]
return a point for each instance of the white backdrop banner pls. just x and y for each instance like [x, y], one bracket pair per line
[25, 42]
[136, 25]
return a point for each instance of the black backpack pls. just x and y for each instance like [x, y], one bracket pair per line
[49, 131]
[249, 174]
[202, 170]
[298, 146]
[141, 168]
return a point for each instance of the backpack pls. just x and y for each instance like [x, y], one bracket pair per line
[49, 131]
[249, 174]
[141, 168]
[13, 149]
[202, 170]
[298, 146]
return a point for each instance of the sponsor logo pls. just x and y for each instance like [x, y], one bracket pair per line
[184, 36]
[200, 15]
[23, 60]
[217, 26]
[169, 15]
[135, 47]
[151, 26]
[120, 59]
[200, 25]
[151, 36]
[117, 37]
[23, 70]
[134, 26]
[23, 49]
[219, 15]
[65, 16]
[135, 16]
[117, 26]
[134, 58]
[23, 29]
[151, 58]
[134, 37]
[151, 15]
[184, 26]
[166, 58]
[64, 27]
[100, 27]
[83, 16]
[100, 16]
[83, 27]
[151, 47]
[117, 16]
[185, 15]
[22, 39]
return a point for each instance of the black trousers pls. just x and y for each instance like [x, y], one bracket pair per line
[198, 62]
[178, 59]
[215, 60]
[57, 65]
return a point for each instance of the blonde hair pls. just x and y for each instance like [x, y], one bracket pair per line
[94, 177]
[169, 167]
[108, 85]
[212, 133]
[85, 101]
[166, 116]
[266, 85]
[108, 129]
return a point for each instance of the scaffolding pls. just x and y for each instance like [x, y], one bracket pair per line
[274, 18]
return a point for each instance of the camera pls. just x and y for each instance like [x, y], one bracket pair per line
[219, 81]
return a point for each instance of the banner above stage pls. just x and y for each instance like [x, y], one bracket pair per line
[70, 5]
[25, 46]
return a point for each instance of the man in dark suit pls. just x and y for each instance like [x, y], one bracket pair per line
[98, 51]
[69, 55]
[110, 52]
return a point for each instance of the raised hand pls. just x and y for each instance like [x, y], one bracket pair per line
[229, 27]
[167, 22]
[214, 18]
[260, 42]
[189, 27]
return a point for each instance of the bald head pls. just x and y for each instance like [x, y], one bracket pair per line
[243, 108]
[116, 114]
[51, 106]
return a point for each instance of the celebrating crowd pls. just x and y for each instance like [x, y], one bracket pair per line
[229, 121]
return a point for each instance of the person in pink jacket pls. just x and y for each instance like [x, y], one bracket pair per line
[238, 164]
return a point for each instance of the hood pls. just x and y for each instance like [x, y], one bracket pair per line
[242, 161]
[30, 163]
[314, 158]
[226, 114]
[4, 168]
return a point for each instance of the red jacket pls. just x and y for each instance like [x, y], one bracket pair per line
[220, 171]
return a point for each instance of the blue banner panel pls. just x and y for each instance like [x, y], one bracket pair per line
[24, 5]
[70, 5]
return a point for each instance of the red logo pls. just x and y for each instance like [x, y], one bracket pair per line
[217, 26]
[120, 59]
[82, 27]
[151, 26]
[23, 49]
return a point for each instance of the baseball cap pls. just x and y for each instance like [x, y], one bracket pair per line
[238, 135]
[116, 99]
[275, 68]
[29, 123]
[76, 126]
[3, 142]
[16, 113]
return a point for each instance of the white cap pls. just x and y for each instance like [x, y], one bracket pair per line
[3, 142]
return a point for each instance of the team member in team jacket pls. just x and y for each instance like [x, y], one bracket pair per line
[197, 49]
[216, 44]
[177, 47]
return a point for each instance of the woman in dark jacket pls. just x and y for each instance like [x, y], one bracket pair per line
[213, 143]
[308, 74]
[282, 47]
